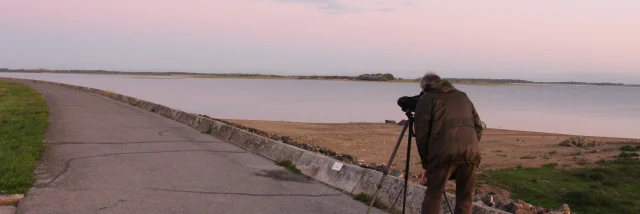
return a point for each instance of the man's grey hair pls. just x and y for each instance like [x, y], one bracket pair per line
[429, 78]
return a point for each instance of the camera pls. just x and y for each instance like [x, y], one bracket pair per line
[408, 103]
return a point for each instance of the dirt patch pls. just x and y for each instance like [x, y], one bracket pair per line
[374, 142]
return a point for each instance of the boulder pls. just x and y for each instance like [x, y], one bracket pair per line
[389, 121]
[402, 122]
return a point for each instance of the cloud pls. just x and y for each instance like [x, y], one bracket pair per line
[350, 6]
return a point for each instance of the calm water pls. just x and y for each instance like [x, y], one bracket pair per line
[583, 110]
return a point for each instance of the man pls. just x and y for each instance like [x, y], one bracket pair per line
[448, 130]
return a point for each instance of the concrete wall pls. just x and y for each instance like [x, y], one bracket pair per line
[349, 178]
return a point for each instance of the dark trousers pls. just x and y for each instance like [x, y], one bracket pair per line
[465, 175]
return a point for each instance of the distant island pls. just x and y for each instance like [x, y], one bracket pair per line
[377, 77]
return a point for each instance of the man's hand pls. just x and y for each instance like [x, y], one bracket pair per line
[423, 178]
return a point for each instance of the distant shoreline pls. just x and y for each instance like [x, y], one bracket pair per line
[361, 78]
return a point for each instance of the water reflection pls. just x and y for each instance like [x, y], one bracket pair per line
[584, 110]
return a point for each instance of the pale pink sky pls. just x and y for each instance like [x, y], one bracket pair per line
[570, 39]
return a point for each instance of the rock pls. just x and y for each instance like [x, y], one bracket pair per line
[10, 199]
[580, 142]
[494, 200]
[489, 200]
[519, 207]
[380, 167]
[7, 210]
[571, 142]
[598, 143]
[450, 187]
[565, 209]
[204, 115]
[541, 210]
[477, 197]
[402, 122]
[501, 201]
[389, 121]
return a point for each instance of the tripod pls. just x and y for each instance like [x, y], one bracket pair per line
[409, 125]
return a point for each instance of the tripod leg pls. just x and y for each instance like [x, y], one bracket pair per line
[386, 170]
[444, 194]
[406, 168]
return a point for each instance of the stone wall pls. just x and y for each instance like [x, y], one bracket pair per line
[346, 177]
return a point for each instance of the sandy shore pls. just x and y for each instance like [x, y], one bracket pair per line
[374, 142]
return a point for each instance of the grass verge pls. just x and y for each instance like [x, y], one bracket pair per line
[608, 187]
[287, 164]
[23, 122]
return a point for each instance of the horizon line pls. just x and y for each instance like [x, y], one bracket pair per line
[516, 80]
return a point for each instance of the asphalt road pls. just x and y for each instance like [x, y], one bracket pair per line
[103, 156]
